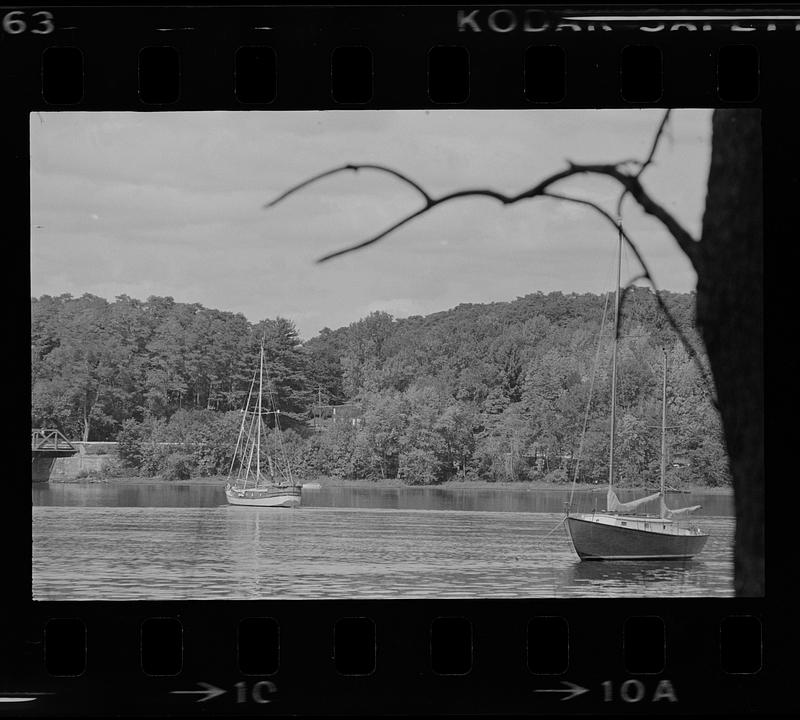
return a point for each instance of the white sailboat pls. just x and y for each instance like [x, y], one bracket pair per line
[247, 482]
[620, 533]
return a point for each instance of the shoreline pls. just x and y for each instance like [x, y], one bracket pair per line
[330, 482]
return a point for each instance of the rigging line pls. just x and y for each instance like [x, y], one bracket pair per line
[284, 456]
[617, 302]
[241, 429]
[258, 438]
[251, 446]
[626, 260]
[540, 543]
[589, 401]
[246, 449]
[560, 522]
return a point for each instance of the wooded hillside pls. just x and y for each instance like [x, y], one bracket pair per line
[493, 392]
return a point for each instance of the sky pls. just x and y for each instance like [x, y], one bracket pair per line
[172, 204]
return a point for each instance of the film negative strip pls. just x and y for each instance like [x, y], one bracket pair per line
[386, 483]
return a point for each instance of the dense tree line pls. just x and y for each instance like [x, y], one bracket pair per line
[96, 364]
[495, 391]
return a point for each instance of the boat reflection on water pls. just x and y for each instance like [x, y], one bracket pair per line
[600, 578]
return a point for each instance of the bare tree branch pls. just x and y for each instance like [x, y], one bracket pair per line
[659, 132]
[643, 166]
[613, 221]
[629, 181]
[374, 239]
[634, 187]
[705, 375]
[631, 185]
[648, 276]
[354, 168]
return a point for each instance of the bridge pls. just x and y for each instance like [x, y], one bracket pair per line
[51, 443]
[46, 446]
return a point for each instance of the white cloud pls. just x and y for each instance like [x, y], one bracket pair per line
[171, 204]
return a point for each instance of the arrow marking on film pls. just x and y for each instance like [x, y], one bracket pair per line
[16, 697]
[211, 691]
[573, 690]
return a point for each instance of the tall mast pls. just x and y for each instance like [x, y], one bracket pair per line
[258, 426]
[241, 435]
[614, 362]
[664, 434]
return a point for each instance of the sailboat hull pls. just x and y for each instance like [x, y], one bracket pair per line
[264, 497]
[614, 537]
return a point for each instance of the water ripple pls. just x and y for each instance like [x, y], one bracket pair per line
[141, 553]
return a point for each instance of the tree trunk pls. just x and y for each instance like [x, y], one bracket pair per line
[87, 414]
[730, 316]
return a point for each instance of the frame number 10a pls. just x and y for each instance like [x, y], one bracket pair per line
[627, 691]
[634, 691]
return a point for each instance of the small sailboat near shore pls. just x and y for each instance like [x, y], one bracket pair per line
[620, 533]
[251, 481]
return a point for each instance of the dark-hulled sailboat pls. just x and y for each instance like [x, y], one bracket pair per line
[620, 533]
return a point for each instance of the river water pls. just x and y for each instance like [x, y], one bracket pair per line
[184, 542]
